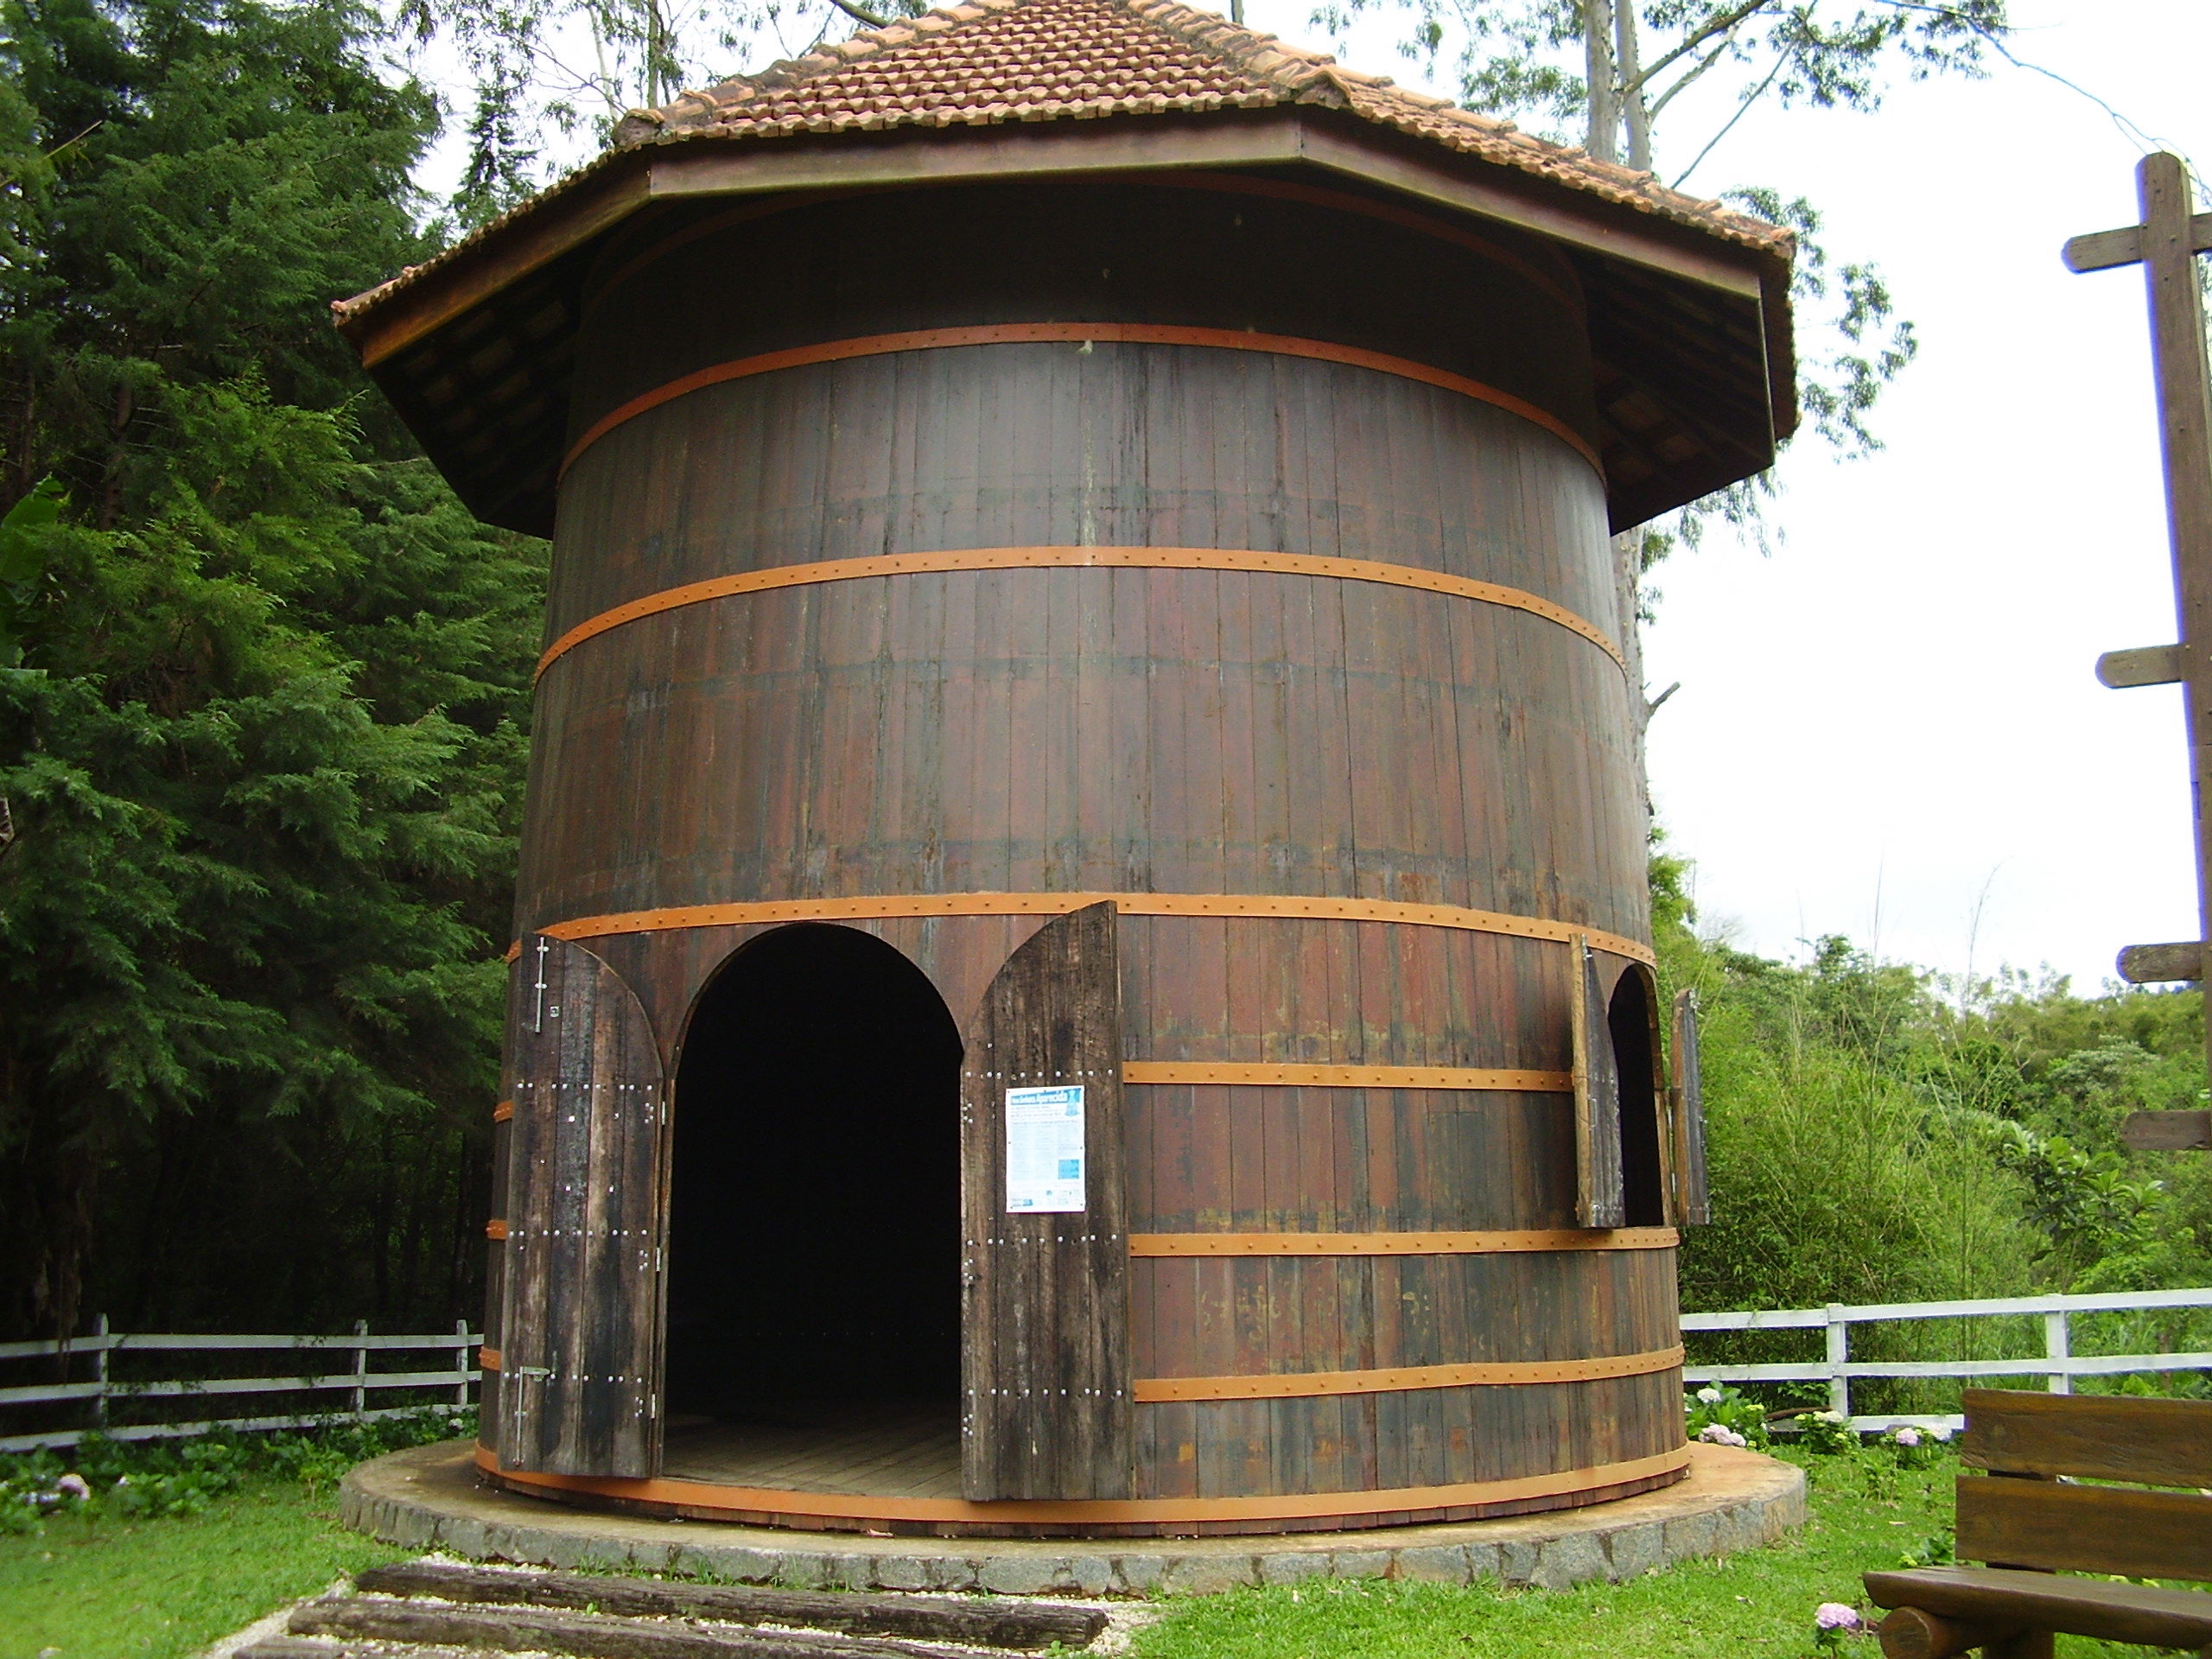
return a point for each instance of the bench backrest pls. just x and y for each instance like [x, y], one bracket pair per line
[2037, 1522]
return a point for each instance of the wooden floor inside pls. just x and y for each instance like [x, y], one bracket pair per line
[876, 1449]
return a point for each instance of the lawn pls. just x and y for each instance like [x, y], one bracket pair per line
[113, 1586]
[1865, 1512]
[96, 1585]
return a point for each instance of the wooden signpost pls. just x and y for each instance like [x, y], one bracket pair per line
[2166, 245]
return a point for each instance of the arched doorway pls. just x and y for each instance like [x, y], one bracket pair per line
[1632, 1020]
[814, 1227]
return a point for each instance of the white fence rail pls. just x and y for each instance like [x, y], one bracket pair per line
[352, 1377]
[2059, 1364]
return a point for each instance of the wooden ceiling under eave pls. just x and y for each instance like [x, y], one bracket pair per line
[1690, 332]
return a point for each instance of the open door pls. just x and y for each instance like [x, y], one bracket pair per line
[1599, 1197]
[1693, 1207]
[1045, 1344]
[579, 1384]
[1639, 1074]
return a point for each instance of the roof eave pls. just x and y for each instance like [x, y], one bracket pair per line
[702, 162]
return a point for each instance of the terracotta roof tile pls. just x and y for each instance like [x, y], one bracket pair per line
[1001, 60]
[1049, 60]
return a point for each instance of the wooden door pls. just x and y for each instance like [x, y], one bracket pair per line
[580, 1384]
[1045, 1355]
[1600, 1199]
[1693, 1207]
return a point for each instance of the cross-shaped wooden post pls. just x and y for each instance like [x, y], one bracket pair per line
[2166, 245]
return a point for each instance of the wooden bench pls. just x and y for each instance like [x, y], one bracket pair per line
[2028, 1519]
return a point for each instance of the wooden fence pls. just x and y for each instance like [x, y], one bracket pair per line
[105, 1395]
[2059, 1364]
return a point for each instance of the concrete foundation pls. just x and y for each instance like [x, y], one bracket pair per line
[432, 1498]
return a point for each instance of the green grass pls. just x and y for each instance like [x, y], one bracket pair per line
[102, 1584]
[1865, 1514]
[114, 1587]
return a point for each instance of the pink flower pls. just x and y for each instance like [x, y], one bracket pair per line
[74, 1485]
[1722, 1434]
[1834, 1616]
[1908, 1436]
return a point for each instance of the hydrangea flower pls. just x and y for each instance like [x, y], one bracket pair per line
[74, 1485]
[1710, 1394]
[1722, 1434]
[1908, 1436]
[1834, 1616]
[1938, 1433]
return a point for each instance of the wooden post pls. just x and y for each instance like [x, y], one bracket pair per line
[1839, 1356]
[99, 1372]
[2057, 1343]
[460, 1363]
[360, 1369]
[2185, 432]
[2166, 245]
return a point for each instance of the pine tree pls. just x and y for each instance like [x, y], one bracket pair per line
[264, 747]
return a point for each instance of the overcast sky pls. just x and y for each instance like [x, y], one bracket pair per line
[1890, 727]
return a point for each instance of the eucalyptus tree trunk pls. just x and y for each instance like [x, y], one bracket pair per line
[1604, 140]
[1610, 48]
[1628, 70]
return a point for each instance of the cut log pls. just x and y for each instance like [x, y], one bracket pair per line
[2092, 1607]
[2168, 1131]
[2145, 665]
[1911, 1633]
[1023, 1626]
[591, 1636]
[302, 1647]
[2162, 964]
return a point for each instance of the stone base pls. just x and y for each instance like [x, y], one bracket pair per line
[432, 1498]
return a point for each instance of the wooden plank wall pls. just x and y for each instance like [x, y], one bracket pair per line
[1146, 729]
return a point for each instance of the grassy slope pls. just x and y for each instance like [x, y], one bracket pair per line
[110, 1587]
[1758, 1605]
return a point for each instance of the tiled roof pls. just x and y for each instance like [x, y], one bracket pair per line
[998, 61]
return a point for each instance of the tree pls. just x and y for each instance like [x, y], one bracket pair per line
[572, 68]
[263, 744]
[1610, 69]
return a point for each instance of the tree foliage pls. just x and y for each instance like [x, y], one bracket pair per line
[263, 744]
[1879, 1135]
[1608, 74]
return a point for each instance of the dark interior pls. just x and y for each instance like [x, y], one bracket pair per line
[814, 1229]
[1628, 1018]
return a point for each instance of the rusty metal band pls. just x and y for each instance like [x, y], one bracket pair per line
[897, 906]
[1276, 1385]
[701, 1496]
[495, 1230]
[503, 1111]
[1077, 558]
[1539, 1240]
[1344, 1076]
[487, 1359]
[1115, 333]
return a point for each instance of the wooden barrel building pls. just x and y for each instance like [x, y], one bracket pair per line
[1082, 957]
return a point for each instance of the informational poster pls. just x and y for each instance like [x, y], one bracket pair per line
[1044, 1149]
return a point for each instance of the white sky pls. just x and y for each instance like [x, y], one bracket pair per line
[1889, 729]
